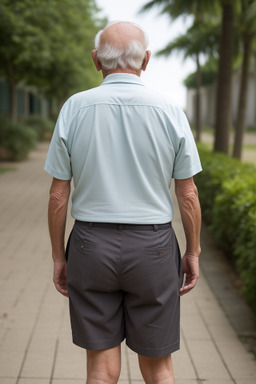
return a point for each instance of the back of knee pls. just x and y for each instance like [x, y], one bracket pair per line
[104, 366]
[103, 376]
[157, 370]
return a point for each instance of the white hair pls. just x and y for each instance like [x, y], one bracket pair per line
[112, 57]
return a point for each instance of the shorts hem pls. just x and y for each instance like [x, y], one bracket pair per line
[97, 345]
[154, 352]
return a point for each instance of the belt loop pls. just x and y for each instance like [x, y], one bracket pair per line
[155, 226]
[90, 225]
[120, 227]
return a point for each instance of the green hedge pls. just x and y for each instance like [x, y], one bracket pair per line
[43, 127]
[227, 192]
[16, 140]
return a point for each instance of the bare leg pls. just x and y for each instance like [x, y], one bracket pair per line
[156, 370]
[103, 367]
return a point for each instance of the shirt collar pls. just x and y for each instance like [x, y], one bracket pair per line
[122, 78]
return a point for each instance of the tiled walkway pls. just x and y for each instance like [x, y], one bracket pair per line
[35, 337]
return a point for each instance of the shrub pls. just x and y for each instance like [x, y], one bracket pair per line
[246, 258]
[43, 127]
[217, 167]
[16, 140]
[227, 195]
[235, 210]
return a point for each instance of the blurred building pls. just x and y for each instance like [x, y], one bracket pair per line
[29, 101]
[208, 101]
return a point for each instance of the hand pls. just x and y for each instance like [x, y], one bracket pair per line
[59, 277]
[190, 267]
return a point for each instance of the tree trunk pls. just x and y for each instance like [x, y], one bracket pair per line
[223, 102]
[242, 103]
[13, 92]
[198, 101]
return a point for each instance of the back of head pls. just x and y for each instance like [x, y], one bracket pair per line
[121, 45]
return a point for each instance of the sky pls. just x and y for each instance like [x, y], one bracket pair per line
[166, 75]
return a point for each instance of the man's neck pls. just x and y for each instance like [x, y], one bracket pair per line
[121, 70]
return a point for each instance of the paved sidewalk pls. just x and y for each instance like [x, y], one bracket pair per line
[35, 337]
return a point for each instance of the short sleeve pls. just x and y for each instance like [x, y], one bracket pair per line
[58, 158]
[187, 162]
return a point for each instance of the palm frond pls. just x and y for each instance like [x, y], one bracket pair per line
[200, 38]
[154, 4]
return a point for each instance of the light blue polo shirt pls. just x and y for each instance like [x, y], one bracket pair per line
[122, 144]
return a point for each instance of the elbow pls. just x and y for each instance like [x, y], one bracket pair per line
[58, 197]
[191, 199]
[187, 194]
[193, 194]
[188, 197]
[55, 200]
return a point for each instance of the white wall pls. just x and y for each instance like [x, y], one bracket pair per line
[208, 102]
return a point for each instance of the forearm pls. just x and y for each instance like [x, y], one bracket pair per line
[57, 214]
[190, 214]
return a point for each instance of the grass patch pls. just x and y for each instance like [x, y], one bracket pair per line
[206, 146]
[4, 170]
[252, 129]
[249, 146]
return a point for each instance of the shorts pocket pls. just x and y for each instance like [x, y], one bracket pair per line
[83, 238]
[84, 245]
[158, 252]
[159, 258]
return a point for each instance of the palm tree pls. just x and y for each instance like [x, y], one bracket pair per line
[223, 101]
[176, 8]
[198, 39]
[248, 32]
[198, 8]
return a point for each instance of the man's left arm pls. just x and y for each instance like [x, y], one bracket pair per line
[57, 214]
[189, 206]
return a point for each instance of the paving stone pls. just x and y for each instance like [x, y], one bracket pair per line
[183, 367]
[70, 365]
[219, 381]
[4, 380]
[34, 380]
[67, 381]
[245, 381]
[244, 368]
[11, 361]
[135, 374]
[207, 361]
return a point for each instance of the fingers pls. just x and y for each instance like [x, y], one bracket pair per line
[188, 287]
[59, 278]
[190, 283]
[64, 292]
[61, 288]
[190, 267]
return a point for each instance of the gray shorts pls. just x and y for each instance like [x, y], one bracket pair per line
[123, 283]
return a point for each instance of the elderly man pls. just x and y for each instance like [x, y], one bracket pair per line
[122, 144]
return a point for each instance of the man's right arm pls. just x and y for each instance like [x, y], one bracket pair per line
[57, 212]
[189, 206]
